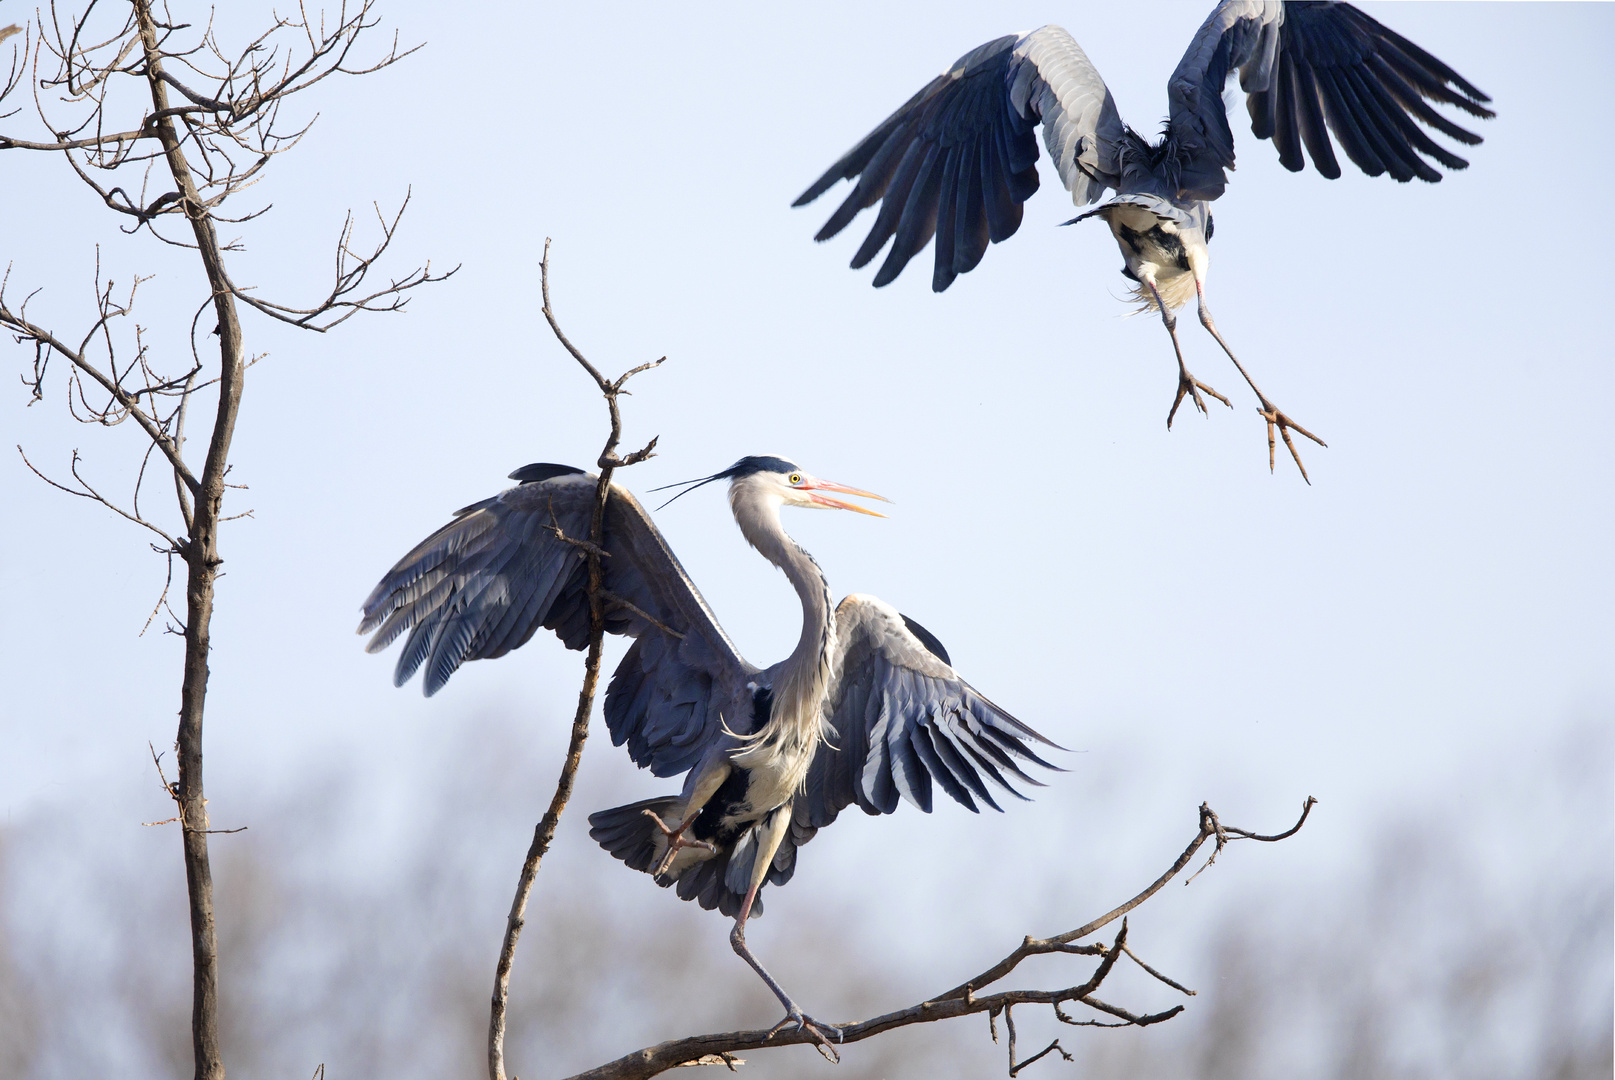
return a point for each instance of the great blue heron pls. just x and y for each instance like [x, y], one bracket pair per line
[959, 159]
[865, 710]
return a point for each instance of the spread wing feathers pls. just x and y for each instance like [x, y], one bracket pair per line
[1307, 67]
[960, 158]
[484, 583]
[903, 720]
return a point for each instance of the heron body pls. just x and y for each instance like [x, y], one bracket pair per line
[1160, 242]
[866, 709]
[959, 159]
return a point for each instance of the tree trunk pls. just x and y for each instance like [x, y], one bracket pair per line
[201, 553]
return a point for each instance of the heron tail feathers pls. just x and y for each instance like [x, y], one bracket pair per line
[1176, 291]
[628, 834]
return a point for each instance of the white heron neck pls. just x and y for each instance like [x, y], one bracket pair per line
[806, 672]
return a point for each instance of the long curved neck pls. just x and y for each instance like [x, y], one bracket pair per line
[807, 670]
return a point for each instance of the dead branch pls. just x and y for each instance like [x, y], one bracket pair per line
[137, 100]
[592, 549]
[964, 1000]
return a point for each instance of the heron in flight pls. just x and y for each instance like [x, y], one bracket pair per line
[866, 710]
[958, 160]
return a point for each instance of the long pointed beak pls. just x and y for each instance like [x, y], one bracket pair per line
[816, 485]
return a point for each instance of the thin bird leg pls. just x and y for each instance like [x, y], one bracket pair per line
[675, 839]
[1188, 385]
[1269, 411]
[822, 1033]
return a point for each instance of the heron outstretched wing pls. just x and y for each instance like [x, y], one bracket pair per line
[903, 720]
[484, 584]
[959, 159]
[1312, 68]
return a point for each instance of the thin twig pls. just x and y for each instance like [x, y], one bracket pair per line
[1170, 982]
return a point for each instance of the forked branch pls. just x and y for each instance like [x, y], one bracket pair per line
[590, 549]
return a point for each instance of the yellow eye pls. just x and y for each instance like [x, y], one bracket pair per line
[796, 478]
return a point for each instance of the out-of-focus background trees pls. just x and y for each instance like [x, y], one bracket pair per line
[1471, 940]
[1421, 640]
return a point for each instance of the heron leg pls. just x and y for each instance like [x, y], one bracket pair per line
[1188, 385]
[1270, 412]
[822, 1033]
[675, 839]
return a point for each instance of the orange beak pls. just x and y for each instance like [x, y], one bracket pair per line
[816, 485]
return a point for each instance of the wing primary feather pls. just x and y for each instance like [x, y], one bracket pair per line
[970, 221]
[925, 747]
[954, 760]
[891, 206]
[1386, 38]
[860, 157]
[908, 774]
[1407, 95]
[942, 274]
[917, 222]
[1309, 113]
[1286, 125]
[1375, 126]
[1341, 122]
[1411, 141]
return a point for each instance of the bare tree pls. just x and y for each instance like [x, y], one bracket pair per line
[962, 1000]
[165, 125]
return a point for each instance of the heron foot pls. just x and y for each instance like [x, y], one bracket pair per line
[822, 1033]
[675, 840]
[1276, 419]
[1189, 386]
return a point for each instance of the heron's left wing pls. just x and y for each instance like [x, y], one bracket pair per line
[902, 721]
[1312, 68]
[959, 159]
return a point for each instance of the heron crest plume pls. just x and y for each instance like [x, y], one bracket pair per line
[746, 466]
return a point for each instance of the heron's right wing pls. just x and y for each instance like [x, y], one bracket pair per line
[959, 159]
[1309, 69]
[504, 567]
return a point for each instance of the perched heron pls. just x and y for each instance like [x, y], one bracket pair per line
[958, 160]
[865, 710]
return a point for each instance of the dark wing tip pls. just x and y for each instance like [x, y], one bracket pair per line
[928, 639]
[539, 471]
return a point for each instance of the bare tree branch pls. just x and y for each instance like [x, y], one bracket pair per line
[962, 1000]
[85, 491]
[592, 550]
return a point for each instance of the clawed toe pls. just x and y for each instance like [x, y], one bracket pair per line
[675, 840]
[823, 1034]
[1189, 386]
[1276, 418]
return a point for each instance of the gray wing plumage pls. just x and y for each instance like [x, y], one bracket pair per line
[1308, 69]
[960, 158]
[904, 720]
[487, 581]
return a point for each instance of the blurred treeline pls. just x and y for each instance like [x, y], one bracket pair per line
[1469, 942]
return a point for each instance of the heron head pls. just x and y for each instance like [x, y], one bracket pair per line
[767, 478]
